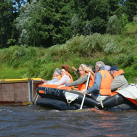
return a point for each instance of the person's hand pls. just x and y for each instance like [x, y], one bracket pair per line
[61, 86]
[84, 91]
[42, 80]
[91, 71]
[74, 68]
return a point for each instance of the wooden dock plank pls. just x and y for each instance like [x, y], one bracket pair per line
[24, 92]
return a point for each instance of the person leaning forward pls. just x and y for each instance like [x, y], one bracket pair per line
[119, 80]
[102, 85]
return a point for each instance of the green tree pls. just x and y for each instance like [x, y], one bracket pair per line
[45, 23]
[96, 12]
[130, 8]
[7, 29]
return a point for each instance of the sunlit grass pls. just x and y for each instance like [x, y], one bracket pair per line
[10, 73]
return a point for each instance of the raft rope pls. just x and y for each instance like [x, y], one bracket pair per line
[69, 101]
[101, 104]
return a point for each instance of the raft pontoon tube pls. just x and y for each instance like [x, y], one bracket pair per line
[67, 99]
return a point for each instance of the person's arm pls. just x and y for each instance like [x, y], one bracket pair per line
[81, 80]
[63, 80]
[96, 85]
[53, 81]
[75, 69]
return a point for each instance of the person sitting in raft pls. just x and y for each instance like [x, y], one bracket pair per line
[81, 82]
[101, 87]
[119, 80]
[65, 76]
[56, 77]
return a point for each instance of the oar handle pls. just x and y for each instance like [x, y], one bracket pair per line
[82, 102]
[76, 74]
[86, 89]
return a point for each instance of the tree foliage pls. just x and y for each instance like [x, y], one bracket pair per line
[7, 30]
[52, 22]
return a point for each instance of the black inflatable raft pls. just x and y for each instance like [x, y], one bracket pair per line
[60, 99]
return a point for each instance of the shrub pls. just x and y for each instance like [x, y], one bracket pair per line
[135, 19]
[121, 58]
[109, 44]
[134, 66]
[109, 61]
[129, 60]
[114, 25]
[87, 29]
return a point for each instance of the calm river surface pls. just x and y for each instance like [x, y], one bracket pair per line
[34, 121]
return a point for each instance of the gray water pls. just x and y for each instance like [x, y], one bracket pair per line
[35, 121]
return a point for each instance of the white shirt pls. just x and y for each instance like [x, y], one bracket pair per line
[65, 79]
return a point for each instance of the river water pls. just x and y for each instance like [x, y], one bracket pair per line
[35, 121]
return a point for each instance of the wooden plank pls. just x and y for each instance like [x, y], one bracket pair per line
[17, 87]
[1, 97]
[17, 92]
[17, 97]
[8, 92]
[24, 92]
[1, 89]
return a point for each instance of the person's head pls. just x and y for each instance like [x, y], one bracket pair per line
[57, 72]
[113, 70]
[65, 70]
[83, 69]
[107, 67]
[99, 65]
[90, 67]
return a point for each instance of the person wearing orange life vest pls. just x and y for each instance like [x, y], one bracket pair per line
[56, 77]
[65, 76]
[119, 80]
[81, 82]
[101, 88]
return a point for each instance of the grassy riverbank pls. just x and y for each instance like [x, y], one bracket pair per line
[120, 50]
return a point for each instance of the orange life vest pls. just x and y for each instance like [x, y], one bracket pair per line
[59, 77]
[83, 85]
[105, 86]
[71, 79]
[118, 73]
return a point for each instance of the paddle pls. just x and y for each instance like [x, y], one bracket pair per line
[85, 89]
[76, 74]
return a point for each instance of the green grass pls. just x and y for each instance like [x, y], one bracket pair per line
[10, 73]
[120, 50]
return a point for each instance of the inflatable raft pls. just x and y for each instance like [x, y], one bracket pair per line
[68, 99]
